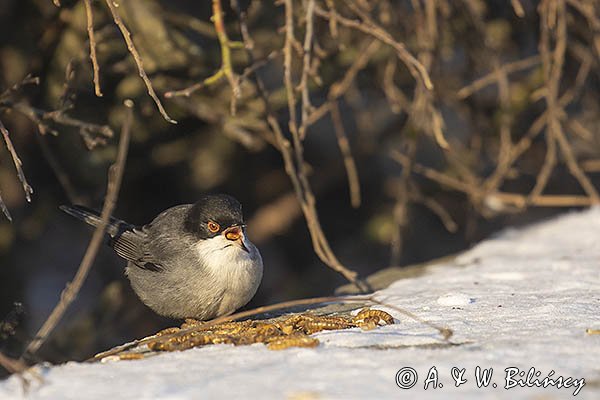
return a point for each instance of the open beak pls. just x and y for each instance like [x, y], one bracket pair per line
[236, 234]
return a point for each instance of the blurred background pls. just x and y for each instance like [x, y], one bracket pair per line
[422, 127]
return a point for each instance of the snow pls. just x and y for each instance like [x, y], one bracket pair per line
[523, 299]
[455, 299]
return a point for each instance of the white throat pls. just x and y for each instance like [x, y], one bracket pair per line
[236, 273]
[220, 255]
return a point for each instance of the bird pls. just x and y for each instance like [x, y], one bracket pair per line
[192, 260]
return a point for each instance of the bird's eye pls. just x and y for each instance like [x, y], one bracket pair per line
[213, 227]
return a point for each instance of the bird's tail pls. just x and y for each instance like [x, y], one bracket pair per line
[92, 217]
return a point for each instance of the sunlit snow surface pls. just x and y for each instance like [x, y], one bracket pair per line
[523, 299]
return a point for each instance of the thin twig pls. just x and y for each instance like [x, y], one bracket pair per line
[490, 78]
[17, 162]
[90, 28]
[546, 171]
[589, 10]
[5, 101]
[306, 66]
[414, 66]
[443, 330]
[4, 209]
[287, 67]
[552, 62]
[115, 177]
[14, 89]
[67, 96]
[226, 45]
[113, 5]
[422, 112]
[226, 69]
[435, 207]
[333, 28]
[101, 132]
[478, 195]
[188, 91]
[591, 166]
[12, 365]
[575, 169]
[190, 22]
[259, 64]
[400, 211]
[504, 160]
[339, 88]
[344, 145]
[395, 97]
[518, 8]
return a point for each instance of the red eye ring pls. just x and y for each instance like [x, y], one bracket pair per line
[213, 226]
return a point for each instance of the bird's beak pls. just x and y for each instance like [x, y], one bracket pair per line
[236, 234]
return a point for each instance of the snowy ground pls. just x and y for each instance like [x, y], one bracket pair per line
[522, 300]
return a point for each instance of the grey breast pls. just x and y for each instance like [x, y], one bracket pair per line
[168, 277]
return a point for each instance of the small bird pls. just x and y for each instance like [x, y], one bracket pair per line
[191, 261]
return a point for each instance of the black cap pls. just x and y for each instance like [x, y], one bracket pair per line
[223, 209]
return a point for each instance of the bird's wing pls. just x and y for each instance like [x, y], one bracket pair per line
[129, 242]
[154, 246]
[132, 245]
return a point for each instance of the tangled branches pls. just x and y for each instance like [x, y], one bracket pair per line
[452, 92]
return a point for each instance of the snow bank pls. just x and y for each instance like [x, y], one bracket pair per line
[519, 305]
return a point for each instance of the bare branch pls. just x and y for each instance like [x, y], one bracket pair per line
[90, 28]
[115, 176]
[292, 153]
[226, 70]
[113, 5]
[553, 15]
[478, 195]
[414, 66]
[287, 66]
[12, 365]
[344, 145]
[306, 66]
[518, 8]
[490, 78]
[339, 88]
[92, 134]
[18, 166]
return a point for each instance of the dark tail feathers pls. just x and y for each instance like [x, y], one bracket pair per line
[92, 217]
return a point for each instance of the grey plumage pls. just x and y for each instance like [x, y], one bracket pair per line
[177, 267]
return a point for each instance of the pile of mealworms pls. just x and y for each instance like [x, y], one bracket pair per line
[277, 333]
